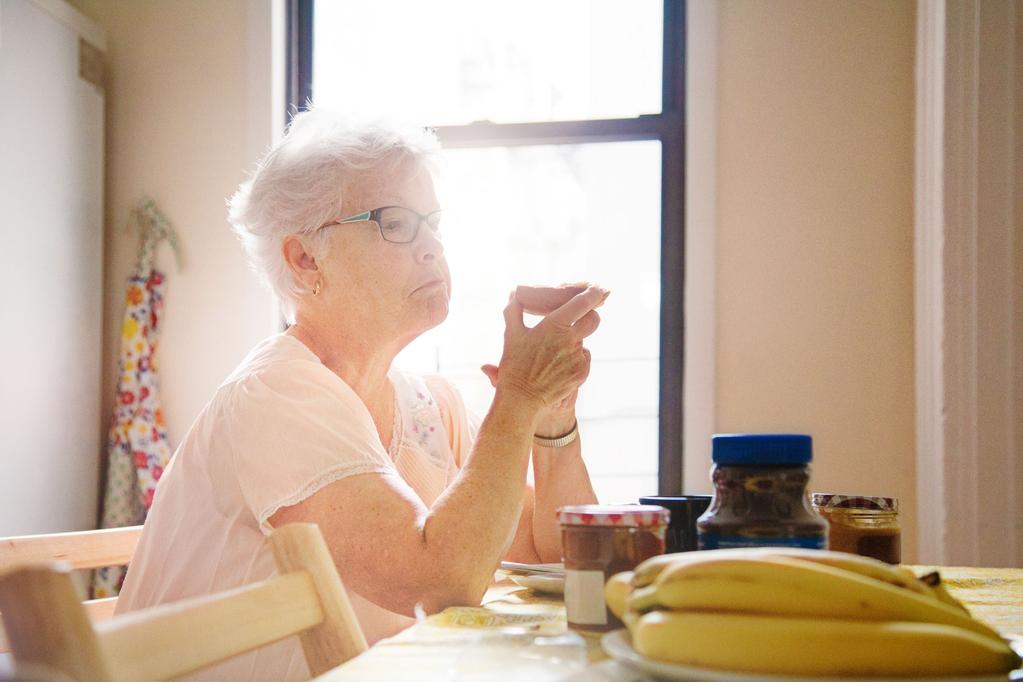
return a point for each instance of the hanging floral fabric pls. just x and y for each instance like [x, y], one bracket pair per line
[137, 446]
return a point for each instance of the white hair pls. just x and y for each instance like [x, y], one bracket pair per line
[303, 182]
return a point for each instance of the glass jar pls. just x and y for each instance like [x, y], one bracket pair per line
[868, 526]
[598, 541]
[760, 496]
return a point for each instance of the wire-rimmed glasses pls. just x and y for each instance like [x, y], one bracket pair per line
[397, 224]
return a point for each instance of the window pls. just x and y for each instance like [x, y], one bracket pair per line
[562, 129]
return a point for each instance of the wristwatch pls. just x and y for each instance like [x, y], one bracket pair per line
[558, 441]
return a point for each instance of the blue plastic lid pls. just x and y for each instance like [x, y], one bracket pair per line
[762, 449]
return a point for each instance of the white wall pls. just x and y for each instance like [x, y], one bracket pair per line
[970, 201]
[995, 472]
[182, 118]
[51, 265]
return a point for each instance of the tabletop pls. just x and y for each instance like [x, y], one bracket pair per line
[520, 635]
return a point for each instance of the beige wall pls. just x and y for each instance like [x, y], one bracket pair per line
[177, 131]
[815, 235]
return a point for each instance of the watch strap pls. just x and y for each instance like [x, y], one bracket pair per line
[558, 441]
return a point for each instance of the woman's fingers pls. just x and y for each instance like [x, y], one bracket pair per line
[491, 372]
[513, 314]
[587, 324]
[548, 361]
[581, 365]
[577, 306]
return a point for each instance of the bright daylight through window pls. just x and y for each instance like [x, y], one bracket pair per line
[529, 211]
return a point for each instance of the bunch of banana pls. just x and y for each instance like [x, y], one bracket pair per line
[800, 612]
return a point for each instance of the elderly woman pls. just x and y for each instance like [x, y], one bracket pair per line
[417, 502]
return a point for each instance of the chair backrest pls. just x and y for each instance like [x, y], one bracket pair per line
[48, 627]
[81, 550]
[84, 549]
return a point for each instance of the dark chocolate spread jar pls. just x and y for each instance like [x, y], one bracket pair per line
[760, 494]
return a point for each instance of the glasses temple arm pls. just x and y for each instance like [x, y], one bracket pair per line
[355, 218]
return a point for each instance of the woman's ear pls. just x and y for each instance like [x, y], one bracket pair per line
[302, 263]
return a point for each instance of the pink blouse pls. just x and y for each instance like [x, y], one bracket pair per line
[281, 427]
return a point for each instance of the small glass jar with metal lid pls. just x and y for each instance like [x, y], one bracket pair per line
[598, 541]
[859, 524]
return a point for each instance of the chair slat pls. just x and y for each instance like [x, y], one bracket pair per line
[82, 549]
[206, 630]
[98, 610]
[300, 547]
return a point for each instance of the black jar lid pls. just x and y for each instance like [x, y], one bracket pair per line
[762, 449]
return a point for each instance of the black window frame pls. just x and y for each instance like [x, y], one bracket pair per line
[667, 127]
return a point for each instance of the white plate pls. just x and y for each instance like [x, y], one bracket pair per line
[514, 567]
[538, 582]
[618, 646]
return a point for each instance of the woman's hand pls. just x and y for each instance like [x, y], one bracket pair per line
[553, 421]
[558, 419]
[547, 363]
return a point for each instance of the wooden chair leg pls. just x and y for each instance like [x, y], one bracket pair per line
[46, 625]
[300, 547]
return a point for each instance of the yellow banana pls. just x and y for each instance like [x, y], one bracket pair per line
[630, 619]
[815, 646]
[941, 593]
[616, 590]
[907, 571]
[899, 576]
[786, 586]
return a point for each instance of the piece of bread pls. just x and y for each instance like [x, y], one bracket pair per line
[544, 300]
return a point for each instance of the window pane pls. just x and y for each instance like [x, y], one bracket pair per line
[547, 215]
[451, 62]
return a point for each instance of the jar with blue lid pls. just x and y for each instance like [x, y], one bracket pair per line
[760, 494]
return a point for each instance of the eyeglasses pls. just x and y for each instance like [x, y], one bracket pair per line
[397, 224]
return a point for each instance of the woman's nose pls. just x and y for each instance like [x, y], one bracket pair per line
[428, 244]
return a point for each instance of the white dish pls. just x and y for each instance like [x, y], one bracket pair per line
[539, 582]
[618, 646]
[513, 567]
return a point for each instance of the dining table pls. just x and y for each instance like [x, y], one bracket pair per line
[519, 634]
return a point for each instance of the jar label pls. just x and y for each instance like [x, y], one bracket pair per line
[714, 541]
[584, 597]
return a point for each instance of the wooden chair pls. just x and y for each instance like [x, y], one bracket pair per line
[84, 549]
[80, 550]
[48, 627]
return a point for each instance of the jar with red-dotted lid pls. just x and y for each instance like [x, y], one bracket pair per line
[598, 541]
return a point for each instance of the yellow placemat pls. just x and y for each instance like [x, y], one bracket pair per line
[994, 595]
